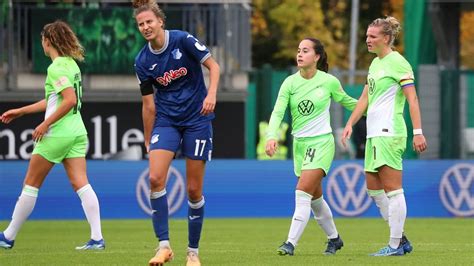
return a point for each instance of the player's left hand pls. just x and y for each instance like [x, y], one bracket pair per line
[419, 143]
[39, 132]
[208, 105]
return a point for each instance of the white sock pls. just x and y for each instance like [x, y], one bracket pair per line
[195, 250]
[323, 215]
[397, 213]
[90, 205]
[23, 208]
[381, 200]
[164, 244]
[300, 217]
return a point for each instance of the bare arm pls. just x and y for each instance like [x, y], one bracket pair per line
[68, 102]
[359, 110]
[419, 141]
[214, 74]
[12, 114]
[148, 116]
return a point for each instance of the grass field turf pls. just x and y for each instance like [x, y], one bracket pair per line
[241, 242]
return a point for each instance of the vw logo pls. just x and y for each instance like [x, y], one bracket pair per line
[175, 190]
[456, 188]
[346, 190]
[305, 107]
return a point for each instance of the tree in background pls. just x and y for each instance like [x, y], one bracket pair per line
[265, 33]
[467, 39]
[279, 25]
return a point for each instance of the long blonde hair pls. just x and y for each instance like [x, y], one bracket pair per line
[148, 5]
[63, 39]
[390, 26]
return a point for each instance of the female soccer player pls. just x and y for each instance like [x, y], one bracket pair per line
[389, 84]
[61, 137]
[177, 112]
[309, 93]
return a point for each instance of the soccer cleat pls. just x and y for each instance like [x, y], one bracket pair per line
[333, 245]
[286, 249]
[93, 245]
[162, 256]
[192, 259]
[405, 243]
[388, 251]
[5, 243]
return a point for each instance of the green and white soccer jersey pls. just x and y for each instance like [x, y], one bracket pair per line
[386, 98]
[309, 101]
[64, 73]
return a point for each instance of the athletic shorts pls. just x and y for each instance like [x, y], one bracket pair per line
[313, 153]
[56, 149]
[195, 141]
[380, 151]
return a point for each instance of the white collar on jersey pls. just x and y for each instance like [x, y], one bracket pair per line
[162, 49]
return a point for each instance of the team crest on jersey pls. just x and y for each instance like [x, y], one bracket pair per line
[177, 54]
[305, 107]
[171, 75]
[371, 83]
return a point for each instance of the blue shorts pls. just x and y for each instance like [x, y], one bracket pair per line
[195, 141]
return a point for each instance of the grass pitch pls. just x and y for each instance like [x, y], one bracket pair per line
[242, 242]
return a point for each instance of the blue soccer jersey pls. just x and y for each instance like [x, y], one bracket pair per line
[175, 73]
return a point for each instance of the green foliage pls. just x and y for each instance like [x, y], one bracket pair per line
[279, 25]
[296, 21]
[265, 34]
[110, 37]
[241, 242]
[111, 41]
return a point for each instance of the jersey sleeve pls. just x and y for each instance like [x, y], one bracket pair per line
[279, 110]
[340, 96]
[195, 48]
[401, 70]
[60, 77]
[146, 84]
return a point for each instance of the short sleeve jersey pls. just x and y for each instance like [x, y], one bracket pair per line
[64, 73]
[385, 95]
[309, 101]
[175, 72]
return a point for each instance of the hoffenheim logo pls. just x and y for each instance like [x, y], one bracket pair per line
[176, 54]
[456, 189]
[346, 190]
[155, 138]
[175, 190]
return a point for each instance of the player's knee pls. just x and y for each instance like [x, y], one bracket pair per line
[157, 182]
[194, 192]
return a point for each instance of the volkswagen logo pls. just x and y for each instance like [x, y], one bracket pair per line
[175, 190]
[346, 190]
[305, 107]
[456, 188]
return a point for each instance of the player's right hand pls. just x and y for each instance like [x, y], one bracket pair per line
[271, 147]
[346, 135]
[147, 147]
[9, 115]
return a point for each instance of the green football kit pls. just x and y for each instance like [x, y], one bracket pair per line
[386, 129]
[67, 137]
[309, 101]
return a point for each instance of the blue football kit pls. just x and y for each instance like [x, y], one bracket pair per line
[174, 75]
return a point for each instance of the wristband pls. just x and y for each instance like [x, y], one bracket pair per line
[417, 131]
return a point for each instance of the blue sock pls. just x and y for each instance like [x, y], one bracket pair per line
[159, 207]
[195, 221]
